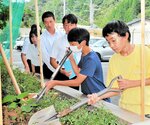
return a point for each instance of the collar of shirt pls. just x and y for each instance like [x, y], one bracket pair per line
[48, 33]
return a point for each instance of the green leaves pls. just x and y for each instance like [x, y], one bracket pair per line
[27, 82]
[13, 105]
[103, 10]
[22, 95]
[4, 15]
[12, 98]
[9, 98]
[15, 101]
[26, 108]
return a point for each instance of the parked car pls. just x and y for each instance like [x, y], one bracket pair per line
[103, 50]
[19, 42]
[94, 40]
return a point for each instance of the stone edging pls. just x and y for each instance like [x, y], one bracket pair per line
[116, 110]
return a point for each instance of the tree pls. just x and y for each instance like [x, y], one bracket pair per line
[4, 15]
[105, 10]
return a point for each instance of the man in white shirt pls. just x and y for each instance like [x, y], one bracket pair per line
[48, 38]
[59, 48]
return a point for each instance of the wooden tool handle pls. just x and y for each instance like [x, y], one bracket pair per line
[1, 115]
[17, 89]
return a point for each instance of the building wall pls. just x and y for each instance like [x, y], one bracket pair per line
[135, 30]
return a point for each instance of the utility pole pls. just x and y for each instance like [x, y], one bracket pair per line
[64, 12]
[91, 13]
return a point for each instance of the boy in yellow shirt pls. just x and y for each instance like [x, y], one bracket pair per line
[125, 62]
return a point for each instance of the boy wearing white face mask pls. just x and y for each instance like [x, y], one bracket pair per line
[77, 52]
[89, 71]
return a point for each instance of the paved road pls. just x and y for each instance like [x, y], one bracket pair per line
[17, 62]
[17, 59]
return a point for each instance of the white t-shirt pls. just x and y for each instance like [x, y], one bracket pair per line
[59, 48]
[34, 55]
[25, 48]
[47, 41]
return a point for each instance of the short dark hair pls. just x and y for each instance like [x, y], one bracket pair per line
[33, 27]
[78, 35]
[33, 31]
[116, 26]
[47, 14]
[71, 18]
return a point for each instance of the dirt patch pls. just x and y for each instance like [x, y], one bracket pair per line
[13, 117]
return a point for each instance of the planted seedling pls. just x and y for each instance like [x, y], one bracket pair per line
[21, 100]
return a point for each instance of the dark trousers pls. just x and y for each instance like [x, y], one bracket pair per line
[29, 63]
[48, 73]
[37, 68]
